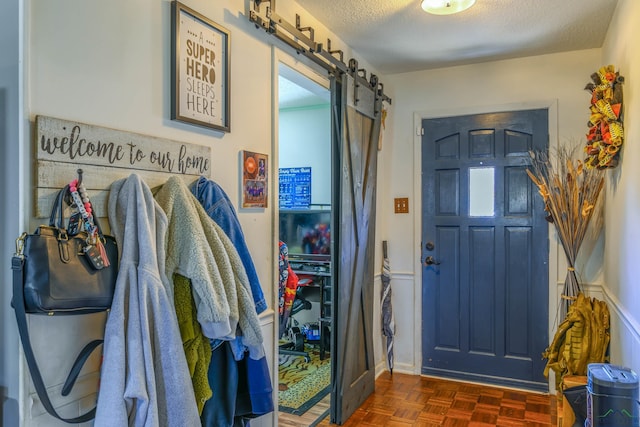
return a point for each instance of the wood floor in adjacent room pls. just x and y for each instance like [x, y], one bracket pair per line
[408, 400]
[310, 417]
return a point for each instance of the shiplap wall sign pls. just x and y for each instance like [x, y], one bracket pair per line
[106, 155]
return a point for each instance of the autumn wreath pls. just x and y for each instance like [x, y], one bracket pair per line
[605, 136]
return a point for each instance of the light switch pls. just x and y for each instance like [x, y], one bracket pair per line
[401, 204]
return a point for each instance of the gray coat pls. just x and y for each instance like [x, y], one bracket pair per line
[145, 380]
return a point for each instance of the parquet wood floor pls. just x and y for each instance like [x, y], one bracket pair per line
[408, 400]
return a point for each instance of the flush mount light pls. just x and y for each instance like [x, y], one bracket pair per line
[446, 7]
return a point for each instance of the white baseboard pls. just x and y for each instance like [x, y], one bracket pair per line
[401, 368]
[624, 330]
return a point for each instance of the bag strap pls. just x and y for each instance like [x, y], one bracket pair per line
[17, 265]
[78, 364]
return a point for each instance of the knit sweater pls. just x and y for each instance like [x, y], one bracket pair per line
[197, 248]
[196, 345]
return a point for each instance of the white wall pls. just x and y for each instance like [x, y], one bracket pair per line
[551, 81]
[305, 141]
[108, 64]
[622, 207]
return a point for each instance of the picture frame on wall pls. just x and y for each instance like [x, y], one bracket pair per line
[255, 182]
[200, 69]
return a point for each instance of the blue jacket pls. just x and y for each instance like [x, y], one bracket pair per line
[218, 206]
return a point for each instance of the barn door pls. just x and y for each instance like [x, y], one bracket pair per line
[357, 121]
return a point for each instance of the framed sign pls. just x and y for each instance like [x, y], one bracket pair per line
[294, 188]
[200, 70]
[254, 179]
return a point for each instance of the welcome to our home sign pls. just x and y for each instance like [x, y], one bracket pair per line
[106, 155]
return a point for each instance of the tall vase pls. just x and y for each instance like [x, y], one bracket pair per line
[570, 291]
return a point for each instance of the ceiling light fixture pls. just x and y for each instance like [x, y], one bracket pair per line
[446, 7]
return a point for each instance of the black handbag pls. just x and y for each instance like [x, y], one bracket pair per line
[59, 276]
[53, 274]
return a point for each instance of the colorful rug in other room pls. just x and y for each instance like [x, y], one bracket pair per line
[303, 384]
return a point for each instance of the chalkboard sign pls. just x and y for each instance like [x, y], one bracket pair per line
[295, 188]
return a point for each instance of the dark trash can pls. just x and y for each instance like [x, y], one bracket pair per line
[612, 398]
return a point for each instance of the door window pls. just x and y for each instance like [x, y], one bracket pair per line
[481, 191]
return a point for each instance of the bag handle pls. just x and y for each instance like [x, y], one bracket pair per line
[58, 208]
[56, 218]
[17, 265]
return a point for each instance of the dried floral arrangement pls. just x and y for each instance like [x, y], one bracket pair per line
[570, 192]
[606, 133]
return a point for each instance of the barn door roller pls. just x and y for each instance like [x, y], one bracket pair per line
[302, 40]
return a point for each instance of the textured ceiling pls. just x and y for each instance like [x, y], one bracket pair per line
[396, 36]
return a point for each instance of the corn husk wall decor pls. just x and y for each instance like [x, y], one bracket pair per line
[570, 192]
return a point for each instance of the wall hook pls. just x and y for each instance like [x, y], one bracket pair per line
[80, 172]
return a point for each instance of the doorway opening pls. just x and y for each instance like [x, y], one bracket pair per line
[305, 224]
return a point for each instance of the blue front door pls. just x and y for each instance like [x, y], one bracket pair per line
[485, 245]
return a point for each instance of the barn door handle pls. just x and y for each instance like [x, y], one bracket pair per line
[430, 261]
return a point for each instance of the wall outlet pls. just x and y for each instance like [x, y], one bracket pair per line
[401, 204]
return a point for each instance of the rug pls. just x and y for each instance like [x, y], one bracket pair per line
[303, 384]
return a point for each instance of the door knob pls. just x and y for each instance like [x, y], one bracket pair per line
[430, 261]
